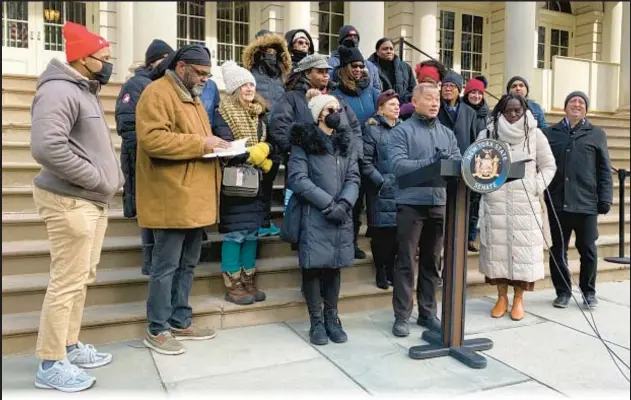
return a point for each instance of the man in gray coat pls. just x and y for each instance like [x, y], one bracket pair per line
[418, 142]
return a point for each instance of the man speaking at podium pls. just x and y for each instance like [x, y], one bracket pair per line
[417, 143]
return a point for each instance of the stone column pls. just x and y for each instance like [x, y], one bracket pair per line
[623, 102]
[297, 15]
[425, 33]
[153, 20]
[125, 56]
[612, 31]
[520, 40]
[369, 20]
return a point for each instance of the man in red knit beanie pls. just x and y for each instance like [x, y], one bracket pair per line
[80, 175]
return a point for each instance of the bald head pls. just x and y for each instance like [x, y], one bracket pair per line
[426, 99]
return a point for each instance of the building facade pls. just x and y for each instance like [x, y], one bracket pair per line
[555, 45]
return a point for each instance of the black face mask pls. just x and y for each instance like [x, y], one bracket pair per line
[104, 75]
[351, 42]
[333, 120]
[269, 62]
[297, 55]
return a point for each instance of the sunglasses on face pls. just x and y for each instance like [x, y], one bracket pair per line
[302, 42]
[357, 66]
[332, 110]
[200, 73]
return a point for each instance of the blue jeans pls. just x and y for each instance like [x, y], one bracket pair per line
[146, 240]
[175, 254]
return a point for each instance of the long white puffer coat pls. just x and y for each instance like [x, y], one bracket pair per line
[510, 237]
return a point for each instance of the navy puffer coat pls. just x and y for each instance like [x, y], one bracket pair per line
[382, 188]
[322, 169]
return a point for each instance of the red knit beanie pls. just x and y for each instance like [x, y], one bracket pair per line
[426, 71]
[80, 42]
[474, 84]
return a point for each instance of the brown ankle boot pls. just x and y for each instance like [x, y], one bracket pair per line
[235, 290]
[501, 305]
[248, 278]
[517, 312]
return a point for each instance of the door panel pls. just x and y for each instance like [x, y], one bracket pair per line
[19, 38]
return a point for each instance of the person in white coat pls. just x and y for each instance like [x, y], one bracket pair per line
[511, 239]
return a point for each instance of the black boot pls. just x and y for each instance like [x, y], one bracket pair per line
[311, 292]
[331, 279]
[333, 327]
[381, 279]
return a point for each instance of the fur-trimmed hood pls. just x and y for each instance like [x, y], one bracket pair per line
[313, 141]
[272, 40]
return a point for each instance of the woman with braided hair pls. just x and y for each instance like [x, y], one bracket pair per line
[511, 238]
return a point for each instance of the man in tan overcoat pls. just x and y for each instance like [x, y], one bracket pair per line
[177, 192]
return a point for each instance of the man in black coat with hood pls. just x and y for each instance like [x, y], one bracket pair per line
[581, 189]
[125, 113]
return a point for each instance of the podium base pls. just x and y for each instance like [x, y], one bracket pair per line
[466, 354]
[618, 260]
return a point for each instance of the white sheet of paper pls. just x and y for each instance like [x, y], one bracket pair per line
[236, 147]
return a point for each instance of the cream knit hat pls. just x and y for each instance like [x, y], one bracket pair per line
[235, 76]
[317, 103]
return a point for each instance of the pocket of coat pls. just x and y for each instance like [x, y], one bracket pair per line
[188, 174]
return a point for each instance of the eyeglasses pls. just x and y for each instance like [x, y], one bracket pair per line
[200, 73]
[357, 66]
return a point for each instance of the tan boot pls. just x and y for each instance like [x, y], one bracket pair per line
[235, 290]
[501, 305]
[249, 283]
[517, 312]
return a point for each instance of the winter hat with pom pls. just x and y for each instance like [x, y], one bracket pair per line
[317, 103]
[235, 76]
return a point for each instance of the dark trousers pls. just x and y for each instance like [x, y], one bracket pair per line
[321, 285]
[175, 254]
[417, 226]
[268, 187]
[358, 209]
[384, 246]
[146, 243]
[585, 227]
[474, 210]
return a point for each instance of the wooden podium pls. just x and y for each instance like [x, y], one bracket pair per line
[450, 341]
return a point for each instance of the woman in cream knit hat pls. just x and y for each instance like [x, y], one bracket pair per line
[242, 115]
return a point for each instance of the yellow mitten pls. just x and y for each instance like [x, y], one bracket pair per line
[258, 153]
[266, 165]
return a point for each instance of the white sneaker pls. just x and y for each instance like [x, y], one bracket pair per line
[64, 377]
[86, 356]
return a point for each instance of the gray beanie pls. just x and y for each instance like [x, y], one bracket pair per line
[577, 93]
[317, 103]
[235, 76]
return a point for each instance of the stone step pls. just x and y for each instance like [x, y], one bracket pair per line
[24, 97]
[619, 151]
[20, 114]
[21, 152]
[21, 174]
[127, 321]
[12, 82]
[22, 133]
[25, 293]
[19, 199]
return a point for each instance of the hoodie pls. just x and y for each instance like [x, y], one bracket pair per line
[297, 56]
[70, 137]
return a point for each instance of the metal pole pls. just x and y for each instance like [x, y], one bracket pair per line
[621, 259]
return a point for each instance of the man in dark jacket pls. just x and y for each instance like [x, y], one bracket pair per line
[125, 113]
[581, 189]
[519, 85]
[349, 37]
[416, 143]
[300, 45]
[455, 114]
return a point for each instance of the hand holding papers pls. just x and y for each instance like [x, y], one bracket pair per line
[236, 148]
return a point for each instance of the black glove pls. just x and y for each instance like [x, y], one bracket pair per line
[337, 212]
[441, 154]
[603, 207]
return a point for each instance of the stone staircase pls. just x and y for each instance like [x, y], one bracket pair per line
[115, 306]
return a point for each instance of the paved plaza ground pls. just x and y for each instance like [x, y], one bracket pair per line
[551, 353]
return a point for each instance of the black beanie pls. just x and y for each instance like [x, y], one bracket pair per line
[577, 93]
[345, 31]
[513, 80]
[453, 77]
[262, 32]
[349, 55]
[482, 79]
[157, 50]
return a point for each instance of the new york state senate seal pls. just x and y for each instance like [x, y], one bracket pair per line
[485, 165]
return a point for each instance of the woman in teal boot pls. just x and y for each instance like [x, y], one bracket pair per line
[242, 115]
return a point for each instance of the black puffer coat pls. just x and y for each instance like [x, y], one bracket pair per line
[583, 176]
[125, 113]
[242, 213]
[404, 81]
[270, 86]
[382, 188]
[322, 170]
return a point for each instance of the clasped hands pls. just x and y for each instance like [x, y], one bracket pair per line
[337, 212]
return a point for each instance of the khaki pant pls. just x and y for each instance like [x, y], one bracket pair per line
[76, 229]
